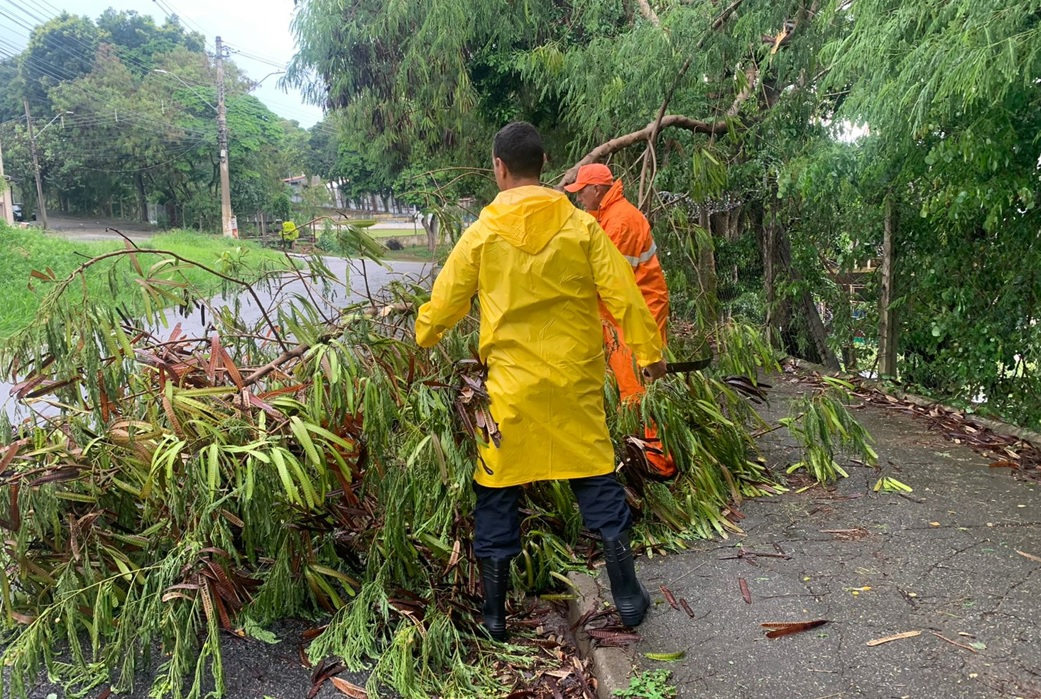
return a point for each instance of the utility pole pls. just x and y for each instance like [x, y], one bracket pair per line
[41, 206]
[228, 226]
[7, 215]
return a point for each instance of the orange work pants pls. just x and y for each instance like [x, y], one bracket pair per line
[631, 389]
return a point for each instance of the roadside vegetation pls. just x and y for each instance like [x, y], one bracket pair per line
[167, 490]
[26, 251]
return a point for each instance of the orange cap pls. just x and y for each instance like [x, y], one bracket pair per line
[596, 173]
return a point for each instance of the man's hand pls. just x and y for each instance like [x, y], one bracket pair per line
[653, 372]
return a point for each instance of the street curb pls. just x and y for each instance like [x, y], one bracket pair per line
[1002, 428]
[611, 666]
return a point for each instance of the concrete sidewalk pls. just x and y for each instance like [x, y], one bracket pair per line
[942, 560]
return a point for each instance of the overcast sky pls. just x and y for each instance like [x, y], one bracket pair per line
[257, 27]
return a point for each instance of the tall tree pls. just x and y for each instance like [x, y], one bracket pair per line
[62, 49]
[729, 114]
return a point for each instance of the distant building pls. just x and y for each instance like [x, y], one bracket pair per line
[296, 186]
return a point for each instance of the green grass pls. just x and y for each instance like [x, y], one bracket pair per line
[25, 250]
[387, 233]
[418, 253]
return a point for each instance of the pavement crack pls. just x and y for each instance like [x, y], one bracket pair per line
[1009, 591]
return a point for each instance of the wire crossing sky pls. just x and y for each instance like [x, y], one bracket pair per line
[256, 31]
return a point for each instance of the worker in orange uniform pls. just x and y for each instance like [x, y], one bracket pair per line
[599, 193]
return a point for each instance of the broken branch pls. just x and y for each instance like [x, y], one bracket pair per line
[622, 142]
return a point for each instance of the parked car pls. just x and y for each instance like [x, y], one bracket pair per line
[19, 213]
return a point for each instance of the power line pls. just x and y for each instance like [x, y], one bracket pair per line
[69, 81]
[258, 59]
[176, 157]
[86, 51]
[172, 13]
[16, 20]
[41, 66]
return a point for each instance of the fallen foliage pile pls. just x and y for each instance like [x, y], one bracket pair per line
[1022, 457]
[169, 486]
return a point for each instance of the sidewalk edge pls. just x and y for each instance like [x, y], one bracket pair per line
[611, 666]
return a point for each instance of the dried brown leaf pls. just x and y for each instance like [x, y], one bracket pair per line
[669, 597]
[349, 688]
[743, 584]
[894, 637]
[1029, 556]
[1005, 463]
[785, 628]
[617, 636]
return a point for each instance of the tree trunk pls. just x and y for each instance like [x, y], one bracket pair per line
[887, 325]
[707, 272]
[142, 200]
[765, 231]
[793, 323]
[432, 225]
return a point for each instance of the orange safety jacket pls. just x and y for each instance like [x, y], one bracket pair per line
[630, 231]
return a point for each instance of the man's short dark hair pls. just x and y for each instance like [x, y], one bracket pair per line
[519, 147]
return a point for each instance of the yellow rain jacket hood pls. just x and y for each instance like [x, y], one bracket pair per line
[538, 266]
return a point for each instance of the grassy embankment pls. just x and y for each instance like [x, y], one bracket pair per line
[25, 250]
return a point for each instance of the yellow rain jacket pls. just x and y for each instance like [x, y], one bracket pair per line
[538, 265]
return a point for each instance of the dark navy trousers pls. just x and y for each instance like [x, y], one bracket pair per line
[497, 534]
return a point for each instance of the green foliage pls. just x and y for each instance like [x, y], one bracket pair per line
[651, 684]
[824, 428]
[126, 117]
[29, 250]
[952, 97]
[141, 41]
[943, 97]
[201, 485]
[68, 43]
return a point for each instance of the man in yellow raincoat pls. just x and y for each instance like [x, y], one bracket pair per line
[538, 266]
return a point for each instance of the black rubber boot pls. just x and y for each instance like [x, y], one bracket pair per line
[630, 596]
[495, 577]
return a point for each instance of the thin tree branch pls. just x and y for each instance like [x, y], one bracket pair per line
[622, 142]
[644, 197]
[62, 285]
[723, 17]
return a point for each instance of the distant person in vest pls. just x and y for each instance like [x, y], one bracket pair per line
[540, 268]
[599, 193]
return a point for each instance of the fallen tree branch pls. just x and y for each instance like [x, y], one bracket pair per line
[622, 142]
[334, 330]
[135, 250]
[645, 196]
